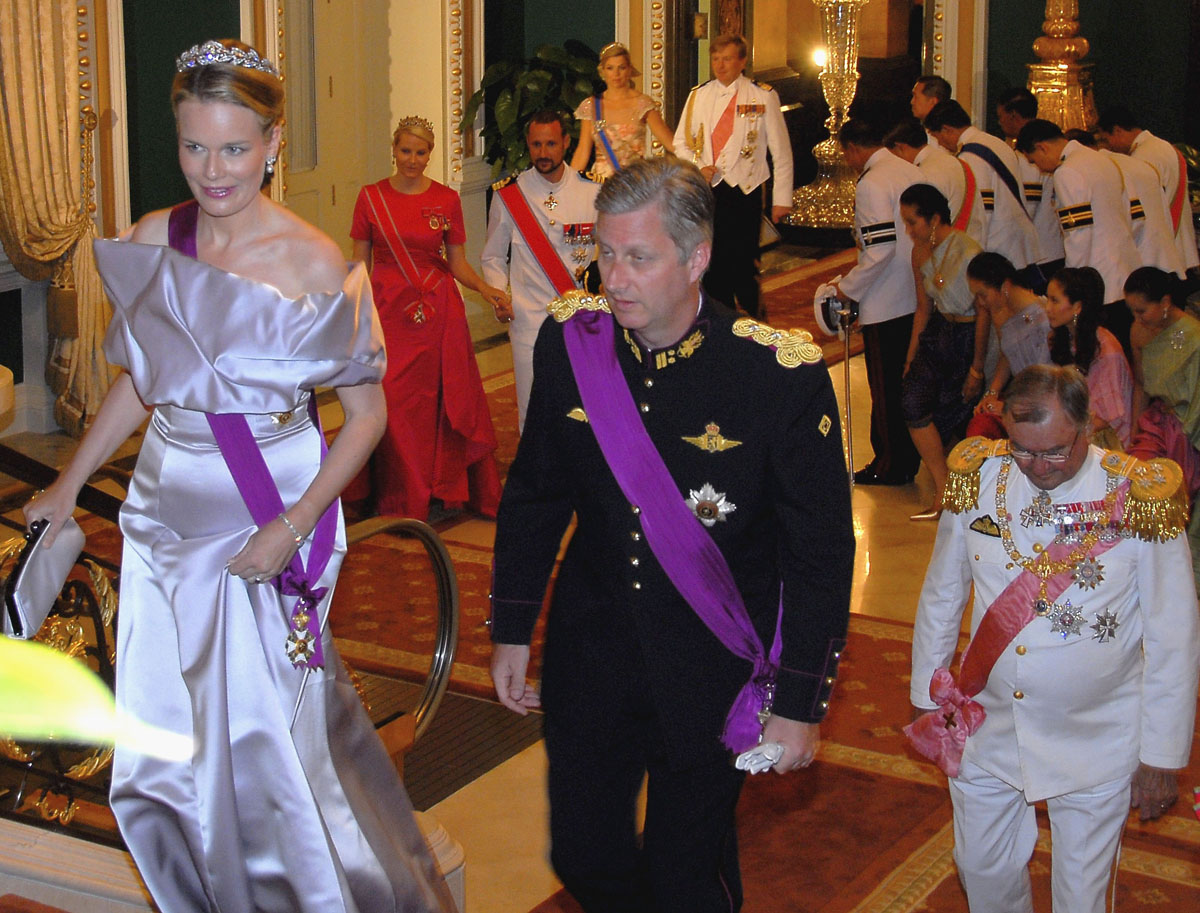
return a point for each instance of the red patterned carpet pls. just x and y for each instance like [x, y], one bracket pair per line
[867, 828]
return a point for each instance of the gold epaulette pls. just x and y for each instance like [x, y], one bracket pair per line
[504, 181]
[574, 301]
[1156, 508]
[765, 86]
[792, 347]
[964, 463]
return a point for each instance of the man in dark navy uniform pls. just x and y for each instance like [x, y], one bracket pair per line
[742, 422]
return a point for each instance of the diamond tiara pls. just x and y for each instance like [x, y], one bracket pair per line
[407, 123]
[202, 55]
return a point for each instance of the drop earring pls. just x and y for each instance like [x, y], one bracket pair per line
[270, 168]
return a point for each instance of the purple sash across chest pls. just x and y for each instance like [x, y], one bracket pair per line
[261, 495]
[685, 550]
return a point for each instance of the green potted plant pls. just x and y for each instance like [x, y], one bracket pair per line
[558, 78]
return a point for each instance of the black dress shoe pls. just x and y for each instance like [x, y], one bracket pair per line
[868, 476]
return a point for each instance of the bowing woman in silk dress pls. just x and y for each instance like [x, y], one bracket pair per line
[228, 311]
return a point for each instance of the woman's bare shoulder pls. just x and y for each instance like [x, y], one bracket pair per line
[311, 256]
[150, 228]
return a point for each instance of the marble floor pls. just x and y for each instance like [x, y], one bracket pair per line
[501, 818]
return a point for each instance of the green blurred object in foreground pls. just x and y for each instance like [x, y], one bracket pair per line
[47, 696]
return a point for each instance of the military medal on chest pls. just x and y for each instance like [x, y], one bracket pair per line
[1079, 527]
[580, 237]
[436, 219]
[754, 112]
[550, 203]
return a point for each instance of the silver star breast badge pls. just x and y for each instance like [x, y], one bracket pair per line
[1065, 619]
[709, 505]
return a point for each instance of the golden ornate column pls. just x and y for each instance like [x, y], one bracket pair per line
[828, 202]
[1062, 84]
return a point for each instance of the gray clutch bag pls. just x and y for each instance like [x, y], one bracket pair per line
[38, 578]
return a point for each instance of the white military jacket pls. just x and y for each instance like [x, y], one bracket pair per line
[1165, 159]
[1038, 189]
[758, 126]
[1010, 229]
[573, 198]
[945, 172]
[1094, 214]
[1066, 711]
[882, 281]
[1150, 221]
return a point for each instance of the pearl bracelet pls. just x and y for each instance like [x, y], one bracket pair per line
[295, 532]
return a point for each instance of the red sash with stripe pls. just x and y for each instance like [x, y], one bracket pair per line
[1180, 193]
[968, 206]
[539, 245]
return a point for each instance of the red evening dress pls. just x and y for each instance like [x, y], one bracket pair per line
[439, 441]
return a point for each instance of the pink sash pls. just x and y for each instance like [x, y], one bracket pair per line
[941, 735]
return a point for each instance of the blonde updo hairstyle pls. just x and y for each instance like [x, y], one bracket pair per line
[616, 49]
[255, 89]
[414, 126]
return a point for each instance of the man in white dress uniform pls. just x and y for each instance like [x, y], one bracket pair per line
[1085, 618]
[729, 124]
[563, 207]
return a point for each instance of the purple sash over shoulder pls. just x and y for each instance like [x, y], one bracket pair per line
[261, 494]
[686, 551]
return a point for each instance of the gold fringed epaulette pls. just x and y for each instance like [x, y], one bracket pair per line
[792, 347]
[964, 463]
[1156, 509]
[574, 301]
[504, 181]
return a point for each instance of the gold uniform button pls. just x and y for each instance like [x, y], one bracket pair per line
[637, 585]
[636, 510]
[636, 536]
[824, 705]
[1019, 695]
[829, 680]
[645, 407]
[634, 561]
[649, 381]
[1020, 650]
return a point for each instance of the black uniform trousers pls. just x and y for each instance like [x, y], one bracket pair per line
[885, 348]
[686, 860]
[733, 272]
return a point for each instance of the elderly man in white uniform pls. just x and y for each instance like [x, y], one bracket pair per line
[560, 203]
[729, 124]
[1082, 670]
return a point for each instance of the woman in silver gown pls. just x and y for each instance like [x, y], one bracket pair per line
[228, 311]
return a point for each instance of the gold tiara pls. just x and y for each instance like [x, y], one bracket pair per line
[202, 55]
[407, 123]
[615, 46]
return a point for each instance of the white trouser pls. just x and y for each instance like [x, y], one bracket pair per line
[995, 833]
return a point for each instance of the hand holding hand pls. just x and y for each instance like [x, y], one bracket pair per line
[799, 741]
[1153, 791]
[265, 554]
[510, 662]
[500, 302]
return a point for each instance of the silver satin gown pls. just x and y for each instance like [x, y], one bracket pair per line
[267, 815]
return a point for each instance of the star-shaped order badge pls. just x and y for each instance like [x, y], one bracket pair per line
[709, 505]
[1065, 619]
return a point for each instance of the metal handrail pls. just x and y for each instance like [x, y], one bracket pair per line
[446, 641]
[38, 475]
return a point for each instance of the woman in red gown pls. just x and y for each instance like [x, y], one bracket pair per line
[439, 441]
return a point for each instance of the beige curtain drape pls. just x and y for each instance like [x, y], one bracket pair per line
[45, 224]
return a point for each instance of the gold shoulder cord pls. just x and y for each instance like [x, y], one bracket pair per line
[564, 308]
[695, 140]
[1156, 508]
[964, 463]
[792, 347]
